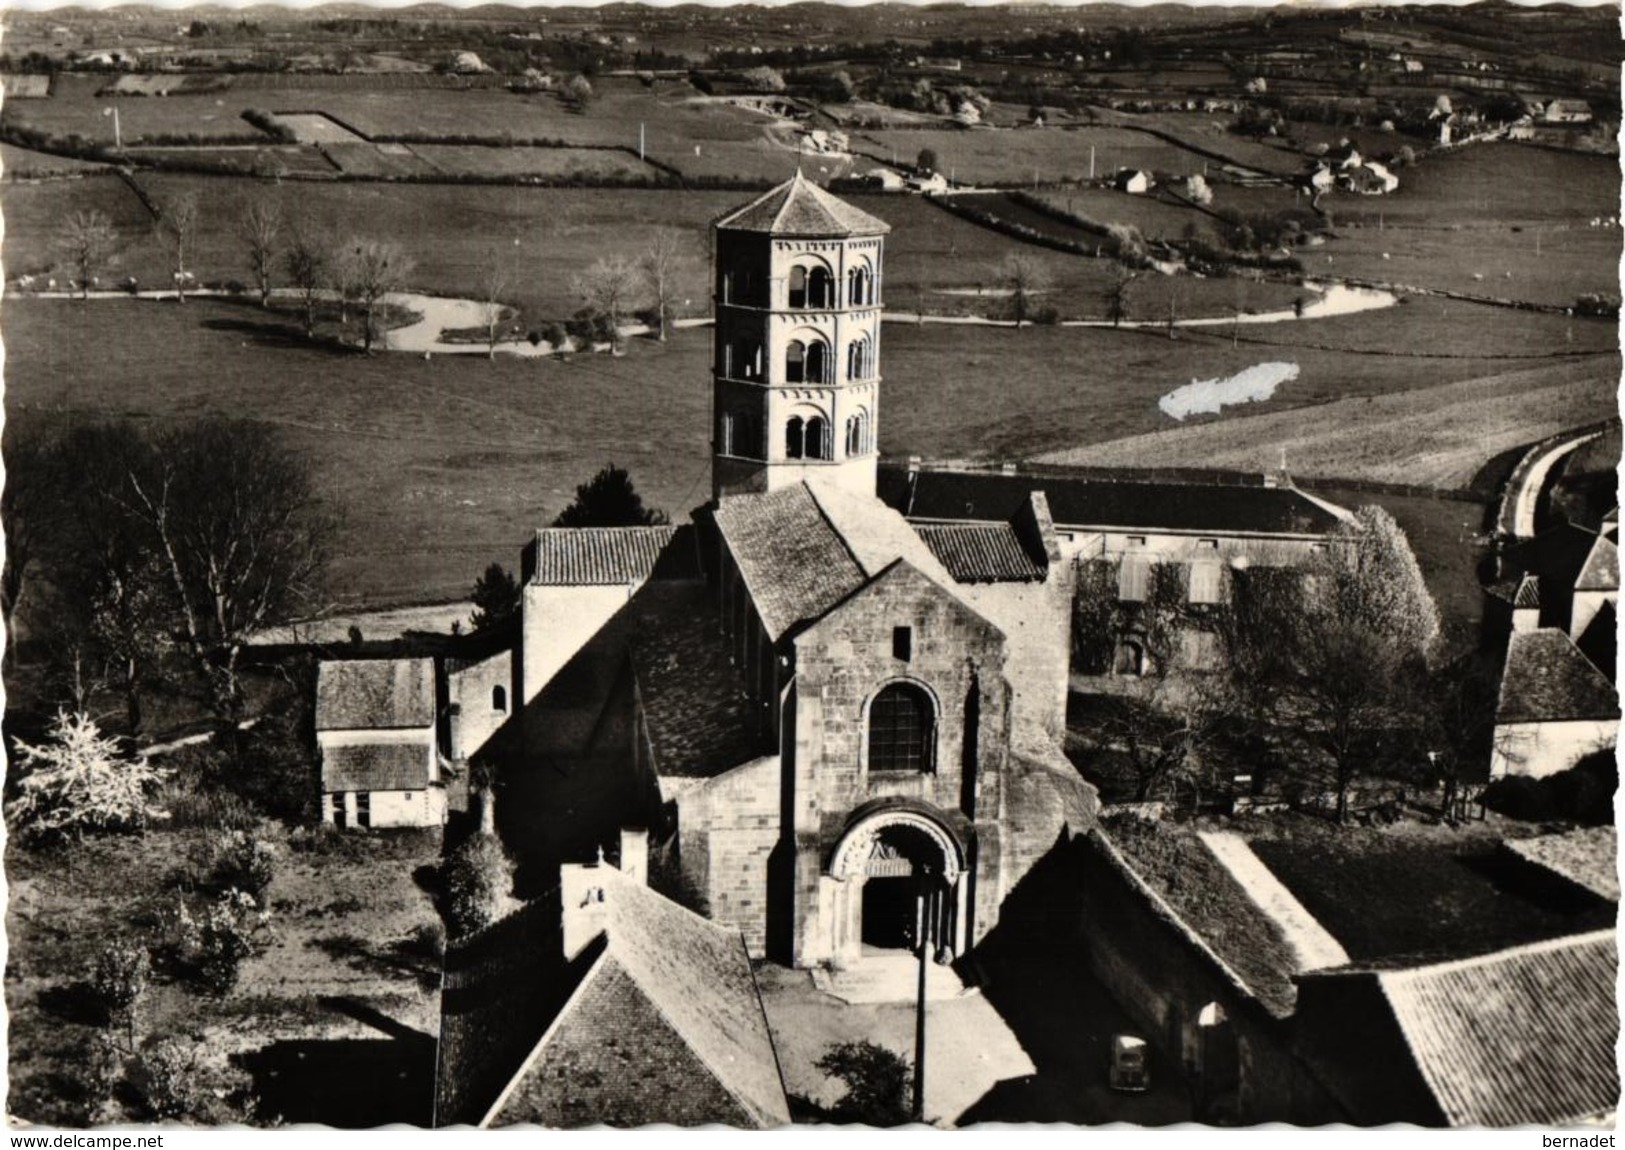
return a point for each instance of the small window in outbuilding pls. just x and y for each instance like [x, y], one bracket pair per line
[340, 819]
[902, 643]
[363, 809]
[499, 698]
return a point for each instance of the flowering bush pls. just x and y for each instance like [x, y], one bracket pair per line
[78, 781]
[213, 944]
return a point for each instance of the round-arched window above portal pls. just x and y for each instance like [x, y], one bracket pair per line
[902, 729]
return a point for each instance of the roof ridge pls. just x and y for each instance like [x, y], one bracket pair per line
[823, 513]
[1506, 954]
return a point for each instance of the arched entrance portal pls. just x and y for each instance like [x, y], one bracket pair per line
[899, 879]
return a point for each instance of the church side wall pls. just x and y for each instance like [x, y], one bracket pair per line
[1036, 619]
[558, 622]
[727, 828]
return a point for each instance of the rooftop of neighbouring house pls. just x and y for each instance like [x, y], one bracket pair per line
[1588, 858]
[983, 552]
[1549, 679]
[1601, 569]
[659, 1021]
[1107, 504]
[799, 207]
[606, 556]
[373, 694]
[1519, 1037]
[376, 767]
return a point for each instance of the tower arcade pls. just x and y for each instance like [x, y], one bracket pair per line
[796, 347]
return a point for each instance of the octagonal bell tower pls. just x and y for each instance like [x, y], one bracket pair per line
[796, 347]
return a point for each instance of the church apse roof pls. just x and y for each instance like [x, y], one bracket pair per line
[799, 207]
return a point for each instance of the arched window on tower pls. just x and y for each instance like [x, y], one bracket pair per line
[795, 362]
[859, 360]
[820, 288]
[860, 286]
[795, 441]
[817, 363]
[798, 287]
[857, 434]
[902, 729]
[818, 438]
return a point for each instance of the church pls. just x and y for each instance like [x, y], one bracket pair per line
[841, 729]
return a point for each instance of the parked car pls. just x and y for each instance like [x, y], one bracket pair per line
[1129, 1070]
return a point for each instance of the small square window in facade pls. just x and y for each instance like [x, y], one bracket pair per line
[1207, 544]
[902, 643]
[1135, 541]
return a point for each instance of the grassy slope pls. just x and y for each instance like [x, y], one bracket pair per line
[340, 924]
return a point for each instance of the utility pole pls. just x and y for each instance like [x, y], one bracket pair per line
[640, 140]
[917, 1110]
[1091, 162]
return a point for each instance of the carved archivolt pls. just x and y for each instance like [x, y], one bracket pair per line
[861, 842]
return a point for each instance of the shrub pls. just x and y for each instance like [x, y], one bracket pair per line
[164, 1077]
[120, 977]
[476, 881]
[212, 946]
[877, 1083]
[555, 334]
[239, 861]
[78, 781]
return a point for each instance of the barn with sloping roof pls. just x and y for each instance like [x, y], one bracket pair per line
[1520, 1037]
[376, 739]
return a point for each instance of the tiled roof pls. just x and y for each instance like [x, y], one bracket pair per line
[1588, 858]
[1548, 679]
[1528, 593]
[982, 553]
[792, 561]
[799, 207]
[671, 995]
[376, 767]
[1601, 570]
[700, 720]
[1106, 504]
[1520, 1037]
[593, 556]
[1556, 555]
[369, 694]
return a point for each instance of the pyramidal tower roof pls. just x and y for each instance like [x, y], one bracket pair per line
[799, 207]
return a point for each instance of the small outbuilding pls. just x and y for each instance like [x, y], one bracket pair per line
[375, 736]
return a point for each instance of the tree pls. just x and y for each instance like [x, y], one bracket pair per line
[306, 263]
[86, 241]
[578, 92]
[1022, 278]
[877, 1082]
[763, 79]
[78, 781]
[261, 227]
[477, 881]
[237, 530]
[495, 278]
[659, 267]
[1335, 656]
[28, 504]
[608, 289]
[370, 270]
[926, 162]
[1117, 296]
[496, 598]
[178, 222]
[609, 500]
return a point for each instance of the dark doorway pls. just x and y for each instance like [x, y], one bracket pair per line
[889, 912]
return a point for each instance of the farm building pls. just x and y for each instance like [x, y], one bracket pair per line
[1272, 1019]
[375, 737]
[1567, 112]
[1132, 181]
[605, 1003]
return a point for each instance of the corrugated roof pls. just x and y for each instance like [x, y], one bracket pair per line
[376, 767]
[1107, 504]
[698, 977]
[982, 553]
[1601, 570]
[793, 562]
[373, 694]
[594, 556]
[1521, 1037]
[1548, 679]
[1588, 858]
[799, 207]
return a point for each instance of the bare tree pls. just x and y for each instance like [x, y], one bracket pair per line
[1117, 296]
[608, 289]
[86, 240]
[370, 270]
[261, 228]
[1022, 278]
[306, 265]
[179, 223]
[495, 278]
[660, 266]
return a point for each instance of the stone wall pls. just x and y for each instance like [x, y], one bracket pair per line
[471, 690]
[727, 828]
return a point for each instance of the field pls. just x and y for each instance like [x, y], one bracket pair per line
[549, 163]
[75, 108]
[25, 164]
[334, 1023]
[1025, 155]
